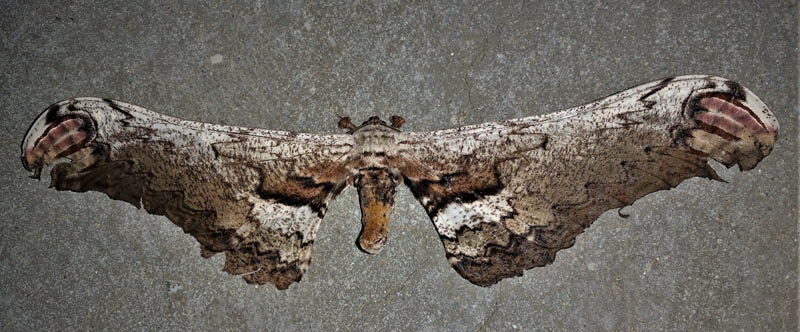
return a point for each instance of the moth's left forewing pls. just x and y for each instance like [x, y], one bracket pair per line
[258, 196]
[506, 196]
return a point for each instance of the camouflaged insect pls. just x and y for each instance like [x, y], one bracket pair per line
[504, 196]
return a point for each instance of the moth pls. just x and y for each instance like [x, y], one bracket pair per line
[504, 196]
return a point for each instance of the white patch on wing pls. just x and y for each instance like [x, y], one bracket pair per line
[286, 219]
[455, 215]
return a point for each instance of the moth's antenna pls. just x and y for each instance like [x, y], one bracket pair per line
[344, 121]
[384, 113]
[333, 110]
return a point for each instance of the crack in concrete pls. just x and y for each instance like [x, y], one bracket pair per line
[390, 294]
[484, 49]
[490, 316]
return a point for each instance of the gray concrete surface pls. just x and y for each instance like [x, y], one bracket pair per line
[706, 256]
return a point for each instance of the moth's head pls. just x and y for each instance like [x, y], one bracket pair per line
[374, 120]
[396, 122]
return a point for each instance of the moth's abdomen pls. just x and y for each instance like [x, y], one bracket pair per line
[376, 188]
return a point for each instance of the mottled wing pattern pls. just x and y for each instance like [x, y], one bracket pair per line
[506, 196]
[256, 195]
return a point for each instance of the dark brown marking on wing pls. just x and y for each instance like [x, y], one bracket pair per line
[258, 262]
[116, 107]
[709, 85]
[736, 90]
[649, 103]
[460, 186]
[52, 113]
[218, 148]
[299, 191]
[626, 120]
[496, 262]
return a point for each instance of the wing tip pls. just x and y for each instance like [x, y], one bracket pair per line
[733, 126]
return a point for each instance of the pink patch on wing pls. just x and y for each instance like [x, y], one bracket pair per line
[719, 121]
[731, 117]
[58, 140]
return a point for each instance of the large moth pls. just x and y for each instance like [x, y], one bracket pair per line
[504, 196]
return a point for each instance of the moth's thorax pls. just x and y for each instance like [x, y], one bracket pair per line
[374, 145]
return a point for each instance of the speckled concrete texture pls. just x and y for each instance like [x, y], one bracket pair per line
[706, 256]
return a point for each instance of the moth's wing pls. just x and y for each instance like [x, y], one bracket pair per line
[256, 195]
[506, 196]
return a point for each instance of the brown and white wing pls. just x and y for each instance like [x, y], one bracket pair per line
[506, 196]
[256, 195]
